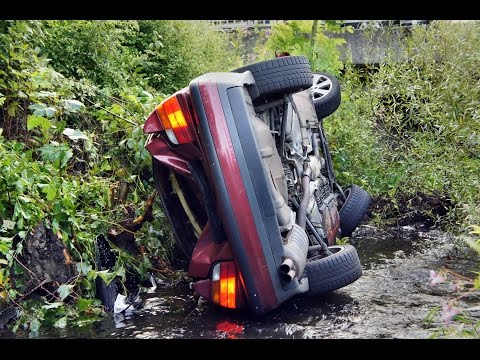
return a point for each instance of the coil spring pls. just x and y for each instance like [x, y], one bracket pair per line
[290, 184]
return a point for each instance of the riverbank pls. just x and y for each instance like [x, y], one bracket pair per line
[391, 299]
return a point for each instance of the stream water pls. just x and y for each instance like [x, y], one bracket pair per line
[390, 300]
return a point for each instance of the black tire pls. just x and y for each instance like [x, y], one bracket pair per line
[354, 209]
[283, 75]
[333, 272]
[326, 94]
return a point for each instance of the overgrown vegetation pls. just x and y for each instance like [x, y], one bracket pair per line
[73, 99]
[309, 38]
[410, 129]
[407, 129]
[74, 96]
[409, 133]
[454, 319]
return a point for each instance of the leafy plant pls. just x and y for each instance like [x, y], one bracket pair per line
[295, 37]
[410, 127]
[73, 99]
[457, 319]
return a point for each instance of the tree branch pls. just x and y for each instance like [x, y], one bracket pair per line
[121, 117]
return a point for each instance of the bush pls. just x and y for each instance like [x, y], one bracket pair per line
[95, 50]
[74, 96]
[294, 37]
[412, 126]
[163, 54]
[177, 51]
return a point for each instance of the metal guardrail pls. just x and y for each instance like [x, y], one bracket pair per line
[243, 24]
[377, 24]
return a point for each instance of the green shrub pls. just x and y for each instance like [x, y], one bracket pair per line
[176, 51]
[413, 126]
[294, 37]
[165, 54]
[74, 96]
[95, 50]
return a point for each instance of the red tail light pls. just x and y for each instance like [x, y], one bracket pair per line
[175, 118]
[226, 284]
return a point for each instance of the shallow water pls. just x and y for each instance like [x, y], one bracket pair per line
[390, 300]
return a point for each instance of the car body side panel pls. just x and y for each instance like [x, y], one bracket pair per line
[236, 102]
[232, 197]
[161, 151]
[238, 178]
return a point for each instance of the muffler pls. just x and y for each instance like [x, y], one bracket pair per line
[295, 257]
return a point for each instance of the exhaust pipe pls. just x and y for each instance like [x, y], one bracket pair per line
[302, 209]
[296, 249]
[295, 257]
[287, 272]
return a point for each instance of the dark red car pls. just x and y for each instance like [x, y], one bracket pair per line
[242, 166]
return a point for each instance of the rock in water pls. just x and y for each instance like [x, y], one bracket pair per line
[47, 257]
[7, 315]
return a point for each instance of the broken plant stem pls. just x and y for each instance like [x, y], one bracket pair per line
[148, 206]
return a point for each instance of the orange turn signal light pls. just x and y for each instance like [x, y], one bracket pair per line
[176, 119]
[225, 284]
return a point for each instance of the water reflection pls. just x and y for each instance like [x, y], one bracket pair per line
[230, 329]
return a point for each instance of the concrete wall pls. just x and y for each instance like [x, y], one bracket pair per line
[371, 46]
[368, 44]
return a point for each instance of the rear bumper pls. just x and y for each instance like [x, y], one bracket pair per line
[234, 165]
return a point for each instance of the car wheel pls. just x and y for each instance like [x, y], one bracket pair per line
[283, 75]
[332, 272]
[326, 94]
[354, 209]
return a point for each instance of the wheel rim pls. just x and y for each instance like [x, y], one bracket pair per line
[334, 249]
[322, 85]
